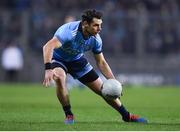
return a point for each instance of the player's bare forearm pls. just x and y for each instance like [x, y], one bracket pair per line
[106, 70]
[47, 53]
[103, 66]
[48, 49]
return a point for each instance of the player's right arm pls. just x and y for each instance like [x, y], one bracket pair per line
[61, 36]
[47, 54]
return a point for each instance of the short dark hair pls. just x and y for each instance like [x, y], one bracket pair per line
[89, 14]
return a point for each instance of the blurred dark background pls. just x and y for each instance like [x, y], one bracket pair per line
[141, 37]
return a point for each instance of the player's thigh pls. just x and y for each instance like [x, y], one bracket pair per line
[95, 85]
[92, 80]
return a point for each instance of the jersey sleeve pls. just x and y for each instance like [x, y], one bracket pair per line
[63, 34]
[97, 49]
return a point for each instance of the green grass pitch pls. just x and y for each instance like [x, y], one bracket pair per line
[33, 107]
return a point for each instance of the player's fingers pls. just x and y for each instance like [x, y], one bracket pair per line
[49, 81]
[46, 82]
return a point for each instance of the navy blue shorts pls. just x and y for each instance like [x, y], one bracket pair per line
[80, 69]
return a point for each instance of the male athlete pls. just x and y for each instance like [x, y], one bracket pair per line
[64, 53]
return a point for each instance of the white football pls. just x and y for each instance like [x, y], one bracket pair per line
[111, 89]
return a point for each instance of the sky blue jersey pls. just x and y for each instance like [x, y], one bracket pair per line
[74, 44]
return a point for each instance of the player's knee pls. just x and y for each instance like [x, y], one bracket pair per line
[99, 91]
[59, 75]
[60, 80]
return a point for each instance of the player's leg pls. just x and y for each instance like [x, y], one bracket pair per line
[62, 92]
[96, 85]
[82, 70]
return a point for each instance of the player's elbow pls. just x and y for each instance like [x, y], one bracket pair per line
[52, 44]
[47, 46]
[44, 47]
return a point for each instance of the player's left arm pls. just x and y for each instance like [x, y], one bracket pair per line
[103, 66]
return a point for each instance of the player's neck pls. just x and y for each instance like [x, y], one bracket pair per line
[85, 33]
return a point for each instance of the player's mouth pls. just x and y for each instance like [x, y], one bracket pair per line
[97, 32]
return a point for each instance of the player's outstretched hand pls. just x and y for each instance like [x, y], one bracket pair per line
[48, 77]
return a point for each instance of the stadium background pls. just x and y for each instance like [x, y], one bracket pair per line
[141, 37]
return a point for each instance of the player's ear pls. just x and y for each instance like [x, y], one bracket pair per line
[85, 24]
